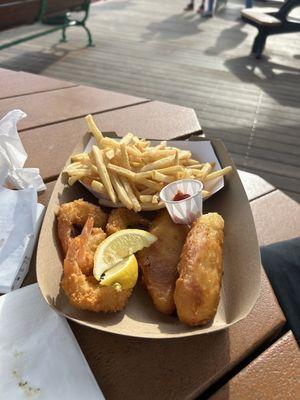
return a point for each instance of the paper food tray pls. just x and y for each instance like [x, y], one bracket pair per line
[242, 267]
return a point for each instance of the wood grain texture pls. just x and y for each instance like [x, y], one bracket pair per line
[277, 217]
[254, 185]
[59, 105]
[23, 83]
[273, 375]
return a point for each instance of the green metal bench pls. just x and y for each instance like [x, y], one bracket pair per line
[55, 13]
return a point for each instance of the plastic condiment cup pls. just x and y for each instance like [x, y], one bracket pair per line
[187, 210]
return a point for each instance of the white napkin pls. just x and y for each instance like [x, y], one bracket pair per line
[13, 154]
[20, 220]
[40, 358]
[20, 214]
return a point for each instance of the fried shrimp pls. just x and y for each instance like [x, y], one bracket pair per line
[85, 292]
[122, 218]
[72, 217]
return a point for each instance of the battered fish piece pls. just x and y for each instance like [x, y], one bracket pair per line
[198, 287]
[159, 261]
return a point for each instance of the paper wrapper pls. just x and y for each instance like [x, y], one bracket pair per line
[242, 268]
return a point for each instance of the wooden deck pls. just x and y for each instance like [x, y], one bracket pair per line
[152, 49]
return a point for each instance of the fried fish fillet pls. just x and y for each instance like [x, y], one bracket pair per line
[159, 261]
[198, 287]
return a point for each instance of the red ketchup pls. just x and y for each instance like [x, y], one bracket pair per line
[180, 196]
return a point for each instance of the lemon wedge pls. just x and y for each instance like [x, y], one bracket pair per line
[125, 273]
[118, 246]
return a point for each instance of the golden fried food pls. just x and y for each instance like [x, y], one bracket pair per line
[122, 218]
[85, 292]
[198, 287]
[71, 218]
[159, 261]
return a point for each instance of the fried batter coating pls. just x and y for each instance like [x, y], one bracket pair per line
[198, 287]
[74, 215]
[122, 218]
[159, 261]
[85, 292]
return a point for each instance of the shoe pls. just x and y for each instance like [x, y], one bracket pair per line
[189, 7]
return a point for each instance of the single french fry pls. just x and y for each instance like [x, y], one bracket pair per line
[133, 151]
[158, 164]
[155, 199]
[110, 143]
[121, 192]
[94, 129]
[153, 207]
[102, 170]
[131, 194]
[73, 179]
[135, 164]
[125, 158]
[195, 166]
[139, 175]
[207, 168]
[80, 172]
[146, 198]
[121, 171]
[148, 191]
[78, 157]
[218, 174]
[154, 155]
[158, 176]
[109, 154]
[205, 193]
[127, 138]
[98, 187]
[176, 160]
[151, 184]
[190, 161]
[171, 170]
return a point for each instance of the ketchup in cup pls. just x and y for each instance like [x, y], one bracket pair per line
[180, 196]
[183, 200]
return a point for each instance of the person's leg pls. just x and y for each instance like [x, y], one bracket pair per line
[249, 3]
[281, 262]
[190, 6]
[209, 12]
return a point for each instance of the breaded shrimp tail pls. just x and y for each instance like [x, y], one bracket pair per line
[198, 287]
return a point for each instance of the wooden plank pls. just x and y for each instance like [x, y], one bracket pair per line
[23, 83]
[5, 72]
[59, 105]
[277, 217]
[254, 185]
[272, 375]
[56, 142]
[260, 17]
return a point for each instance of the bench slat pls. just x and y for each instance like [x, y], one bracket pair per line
[260, 17]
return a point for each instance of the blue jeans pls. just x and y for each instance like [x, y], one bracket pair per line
[281, 262]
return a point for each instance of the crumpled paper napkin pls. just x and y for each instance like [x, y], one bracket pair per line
[20, 214]
[40, 358]
[13, 154]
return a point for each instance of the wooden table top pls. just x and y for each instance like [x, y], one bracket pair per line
[146, 369]
[274, 373]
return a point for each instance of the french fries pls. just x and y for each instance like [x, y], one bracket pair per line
[133, 172]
